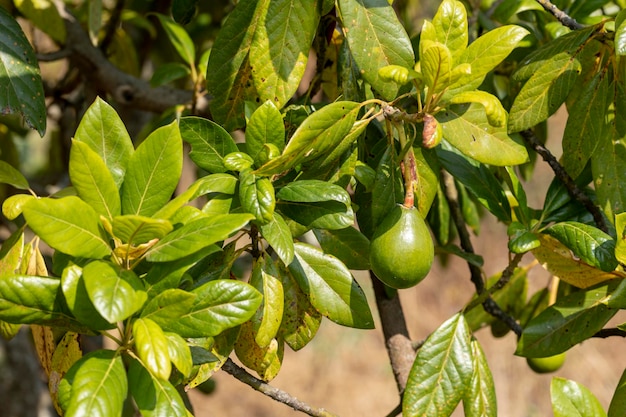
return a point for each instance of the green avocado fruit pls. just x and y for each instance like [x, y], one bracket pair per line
[401, 249]
[547, 364]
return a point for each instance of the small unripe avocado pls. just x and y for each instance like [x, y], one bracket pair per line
[547, 364]
[401, 249]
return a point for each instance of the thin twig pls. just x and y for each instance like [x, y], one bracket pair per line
[274, 393]
[565, 178]
[396, 411]
[613, 331]
[560, 15]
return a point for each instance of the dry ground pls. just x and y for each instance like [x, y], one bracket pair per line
[347, 371]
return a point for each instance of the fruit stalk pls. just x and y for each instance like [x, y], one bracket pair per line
[409, 168]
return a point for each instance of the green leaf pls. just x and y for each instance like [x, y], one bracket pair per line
[256, 195]
[44, 15]
[13, 177]
[318, 134]
[280, 48]
[228, 70]
[620, 242]
[133, 229]
[209, 142]
[116, 294]
[300, 320]
[617, 407]
[26, 299]
[569, 321]
[93, 181]
[102, 129]
[152, 348]
[180, 39]
[206, 311]
[197, 235]
[620, 39]
[330, 286]
[496, 115]
[265, 361]
[388, 189]
[485, 54]
[179, 353]
[608, 162]
[442, 372]
[154, 397]
[68, 225]
[436, 65]
[278, 235]
[480, 399]
[265, 126]
[98, 385]
[266, 320]
[376, 39]
[571, 399]
[23, 89]
[467, 128]
[316, 204]
[479, 181]
[586, 120]
[168, 72]
[588, 243]
[544, 92]
[450, 25]
[77, 299]
[349, 245]
[428, 171]
[153, 172]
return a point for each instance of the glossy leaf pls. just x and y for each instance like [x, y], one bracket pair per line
[152, 347]
[586, 120]
[206, 311]
[93, 181]
[102, 129]
[571, 399]
[98, 385]
[485, 54]
[179, 38]
[256, 195]
[154, 397]
[280, 48]
[13, 177]
[68, 225]
[266, 321]
[620, 241]
[209, 143]
[467, 128]
[116, 294]
[228, 69]
[450, 26]
[480, 399]
[179, 353]
[318, 134]
[153, 172]
[23, 88]
[330, 287]
[436, 65]
[278, 235]
[544, 92]
[442, 372]
[135, 229]
[265, 126]
[620, 39]
[376, 39]
[77, 299]
[13, 206]
[428, 170]
[569, 321]
[479, 181]
[348, 245]
[559, 261]
[388, 189]
[588, 243]
[196, 235]
[496, 115]
[617, 407]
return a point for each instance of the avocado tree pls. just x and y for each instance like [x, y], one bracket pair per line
[381, 158]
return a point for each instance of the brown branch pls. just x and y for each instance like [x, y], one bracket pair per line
[489, 304]
[573, 190]
[560, 15]
[127, 90]
[613, 331]
[397, 341]
[274, 393]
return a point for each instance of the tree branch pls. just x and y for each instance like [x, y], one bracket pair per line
[560, 15]
[397, 341]
[613, 331]
[573, 190]
[124, 88]
[274, 393]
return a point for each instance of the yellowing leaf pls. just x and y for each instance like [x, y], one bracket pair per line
[559, 261]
